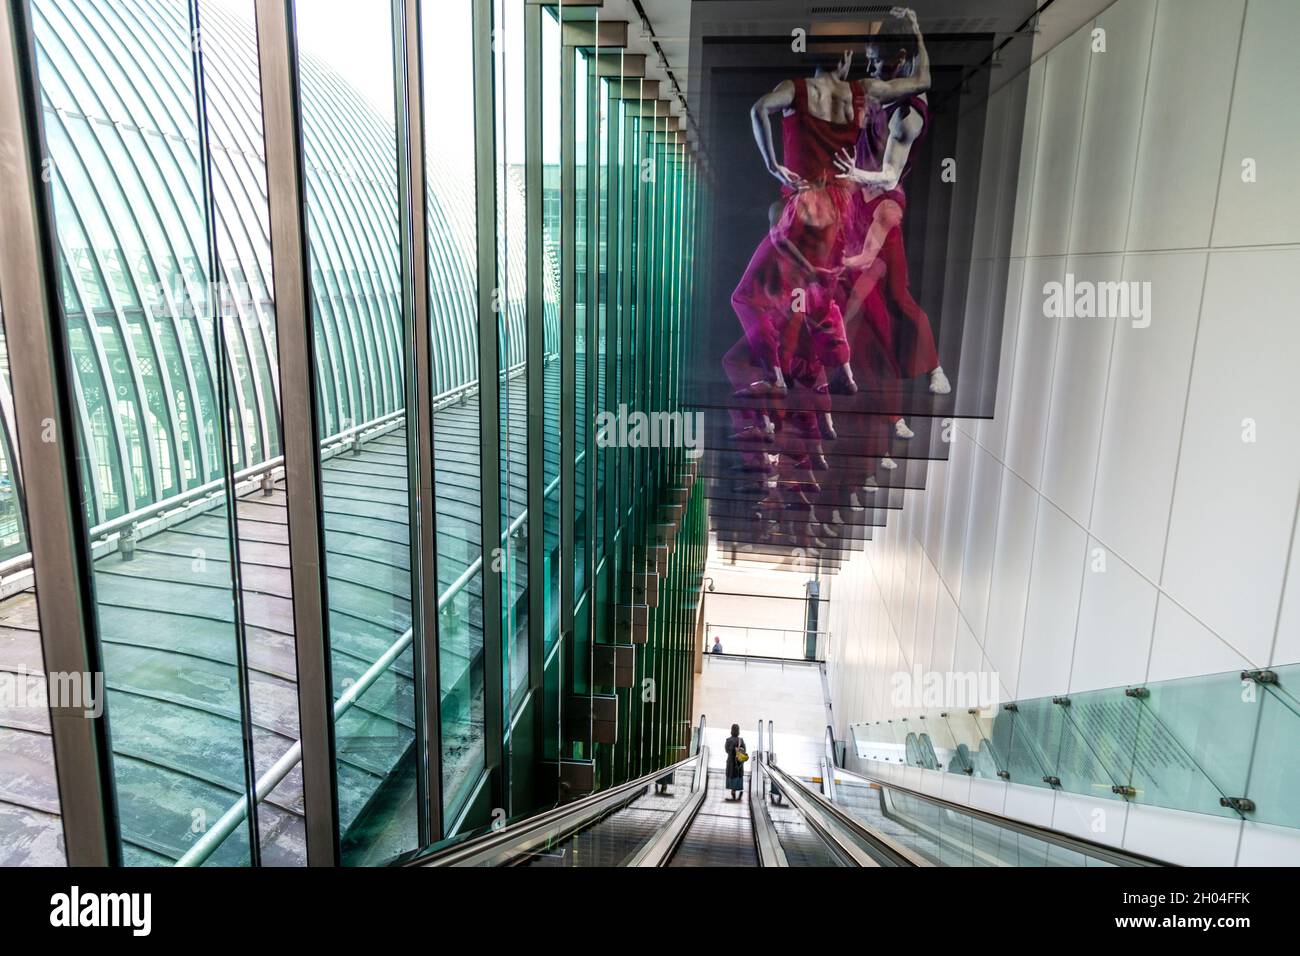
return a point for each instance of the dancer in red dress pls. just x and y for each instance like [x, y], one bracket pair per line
[791, 275]
[874, 232]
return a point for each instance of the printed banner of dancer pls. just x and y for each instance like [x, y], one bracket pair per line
[826, 291]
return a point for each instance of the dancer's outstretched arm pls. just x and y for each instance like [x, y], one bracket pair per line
[760, 115]
[886, 91]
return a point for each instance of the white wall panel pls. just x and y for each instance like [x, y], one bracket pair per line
[1116, 614]
[1286, 650]
[1184, 123]
[1145, 399]
[1032, 371]
[1083, 351]
[1009, 591]
[1184, 647]
[1228, 537]
[1115, 439]
[1028, 159]
[1064, 88]
[952, 554]
[1093, 819]
[1117, 79]
[1264, 845]
[1186, 839]
[992, 433]
[986, 486]
[1055, 585]
[1263, 127]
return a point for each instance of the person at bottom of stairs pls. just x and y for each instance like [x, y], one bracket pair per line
[736, 757]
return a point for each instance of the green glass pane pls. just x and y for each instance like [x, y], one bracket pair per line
[583, 147]
[1274, 773]
[347, 89]
[551, 53]
[1097, 753]
[1193, 743]
[130, 214]
[453, 267]
[1035, 741]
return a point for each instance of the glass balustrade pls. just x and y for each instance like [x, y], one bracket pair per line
[1214, 744]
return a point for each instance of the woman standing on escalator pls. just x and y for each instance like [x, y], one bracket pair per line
[736, 757]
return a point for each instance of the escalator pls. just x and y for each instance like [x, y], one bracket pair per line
[683, 815]
[942, 833]
[680, 816]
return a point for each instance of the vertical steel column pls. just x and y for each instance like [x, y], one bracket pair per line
[568, 345]
[41, 371]
[414, 232]
[584, 417]
[534, 187]
[225, 389]
[286, 200]
[534, 252]
[489, 389]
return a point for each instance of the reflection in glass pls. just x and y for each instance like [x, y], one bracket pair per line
[31, 833]
[453, 312]
[350, 155]
[124, 134]
[551, 53]
[512, 349]
[581, 296]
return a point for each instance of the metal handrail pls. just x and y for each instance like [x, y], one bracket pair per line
[766, 841]
[215, 835]
[828, 765]
[212, 489]
[508, 844]
[826, 818]
[659, 850]
[1066, 841]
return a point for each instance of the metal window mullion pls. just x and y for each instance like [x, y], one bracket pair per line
[592, 317]
[419, 418]
[41, 370]
[225, 382]
[489, 377]
[534, 189]
[612, 231]
[568, 337]
[286, 203]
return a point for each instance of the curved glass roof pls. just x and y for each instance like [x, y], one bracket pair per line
[139, 290]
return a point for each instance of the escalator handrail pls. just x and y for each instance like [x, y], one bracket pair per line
[826, 818]
[828, 775]
[660, 848]
[1066, 841]
[500, 847]
[766, 841]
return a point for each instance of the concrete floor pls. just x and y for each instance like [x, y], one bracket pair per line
[743, 691]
